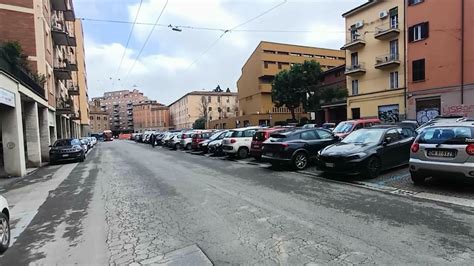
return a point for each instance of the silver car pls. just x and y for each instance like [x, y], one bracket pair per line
[443, 149]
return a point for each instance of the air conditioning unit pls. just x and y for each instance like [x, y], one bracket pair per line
[383, 14]
[359, 24]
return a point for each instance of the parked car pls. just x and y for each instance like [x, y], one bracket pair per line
[296, 147]
[198, 138]
[258, 139]
[85, 145]
[66, 150]
[173, 143]
[94, 140]
[186, 140]
[346, 127]
[166, 140]
[204, 146]
[368, 151]
[329, 126]
[445, 149]
[4, 225]
[310, 126]
[215, 146]
[440, 120]
[239, 141]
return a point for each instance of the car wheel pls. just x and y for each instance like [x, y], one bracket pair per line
[243, 152]
[372, 168]
[188, 146]
[300, 161]
[417, 178]
[4, 232]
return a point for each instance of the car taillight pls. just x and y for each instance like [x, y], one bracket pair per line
[233, 140]
[470, 149]
[415, 147]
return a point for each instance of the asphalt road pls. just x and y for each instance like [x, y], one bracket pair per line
[131, 203]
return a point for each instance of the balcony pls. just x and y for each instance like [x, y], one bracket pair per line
[72, 64]
[22, 75]
[387, 61]
[64, 107]
[355, 69]
[71, 41]
[60, 5]
[72, 89]
[61, 69]
[386, 31]
[59, 33]
[356, 42]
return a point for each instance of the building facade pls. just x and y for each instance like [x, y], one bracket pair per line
[98, 118]
[375, 60]
[268, 59]
[82, 80]
[333, 111]
[119, 106]
[440, 59]
[151, 115]
[208, 104]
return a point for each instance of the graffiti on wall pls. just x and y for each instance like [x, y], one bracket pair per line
[464, 110]
[389, 113]
[425, 115]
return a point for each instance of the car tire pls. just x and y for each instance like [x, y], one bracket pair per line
[417, 178]
[300, 161]
[243, 153]
[188, 147]
[372, 167]
[5, 235]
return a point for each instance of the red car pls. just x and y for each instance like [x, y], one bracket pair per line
[198, 138]
[258, 139]
[346, 127]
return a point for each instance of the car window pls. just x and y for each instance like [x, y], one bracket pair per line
[393, 134]
[406, 133]
[343, 127]
[324, 134]
[249, 133]
[358, 126]
[309, 135]
[446, 135]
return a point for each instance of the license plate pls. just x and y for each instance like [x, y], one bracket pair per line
[330, 165]
[436, 153]
[65, 155]
[256, 146]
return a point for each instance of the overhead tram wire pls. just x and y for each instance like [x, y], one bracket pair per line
[128, 39]
[147, 39]
[214, 43]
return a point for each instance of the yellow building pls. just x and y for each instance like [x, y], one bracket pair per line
[83, 98]
[375, 60]
[268, 59]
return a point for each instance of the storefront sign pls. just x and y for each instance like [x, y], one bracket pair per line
[7, 97]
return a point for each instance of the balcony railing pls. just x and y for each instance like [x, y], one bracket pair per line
[72, 89]
[64, 106]
[61, 69]
[355, 69]
[386, 31]
[59, 33]
[286, 110]
[388, 60]
[355, 42]
[23, 76]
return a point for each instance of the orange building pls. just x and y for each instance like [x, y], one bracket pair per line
[440, 58]
[151, 115]
[98, 117]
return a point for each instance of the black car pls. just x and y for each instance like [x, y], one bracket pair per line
[296, 147]
[66, 150]
[368, 151]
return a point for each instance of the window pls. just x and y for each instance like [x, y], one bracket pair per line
[394, 18]
[228, 109]
[354, 59]
[210, 108]
[208, 99]
[394, 50]
[91, 118]
[324, 134]
[210, 117]
[309, 135]
[355, 113]
[354, 35]
[406, 133]
[218, 99]
[418, 69]
[418, 32]
[394, 80]
[393, 134]
[355, 87]
[98, 117]
[227, 99]
[414, 2]
[249, 133]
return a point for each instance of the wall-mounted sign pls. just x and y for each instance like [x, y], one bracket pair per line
[7, 97]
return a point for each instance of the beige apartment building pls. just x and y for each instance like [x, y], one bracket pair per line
[208, 104]
[150, 115]
[98, 118]
[375, 60]
[82, 80]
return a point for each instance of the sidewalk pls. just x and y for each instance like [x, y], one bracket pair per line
[33, 175]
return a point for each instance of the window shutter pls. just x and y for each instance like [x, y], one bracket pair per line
[425, 30]
[410, 34]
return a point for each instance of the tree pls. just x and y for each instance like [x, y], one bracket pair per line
[200, 123]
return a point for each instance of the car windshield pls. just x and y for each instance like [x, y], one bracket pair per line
[446, 135]
[259, 136]
[343, 127]
[67, 142]
[215, 136]
[365, 136]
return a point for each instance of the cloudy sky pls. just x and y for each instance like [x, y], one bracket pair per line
[172, 62]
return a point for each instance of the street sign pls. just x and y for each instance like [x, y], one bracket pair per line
[7, 97]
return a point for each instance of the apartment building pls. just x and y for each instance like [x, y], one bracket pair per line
[119, 106]
[208, 104]
[375, 60]
[440, 58]
[98, 117]
[268, 59]
[150, 115]
[82, 80]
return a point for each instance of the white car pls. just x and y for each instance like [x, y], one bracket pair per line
[238, 141]
[186, 140]
[4, 225]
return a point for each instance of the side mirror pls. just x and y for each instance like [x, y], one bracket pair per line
[387, 140]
